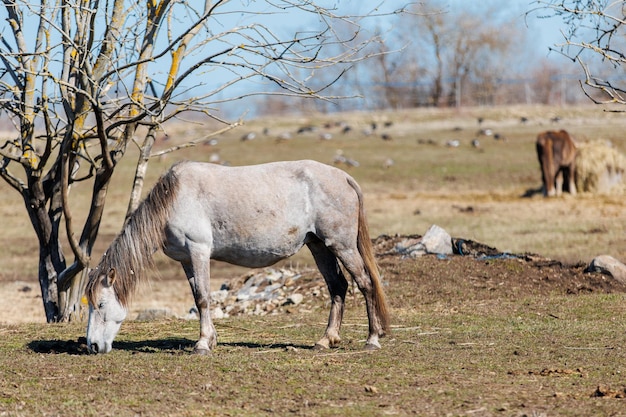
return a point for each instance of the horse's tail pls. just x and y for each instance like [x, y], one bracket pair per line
[364, 245]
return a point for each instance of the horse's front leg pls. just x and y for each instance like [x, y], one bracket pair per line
[198, 275]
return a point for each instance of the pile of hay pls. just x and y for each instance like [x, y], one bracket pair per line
[600, 168]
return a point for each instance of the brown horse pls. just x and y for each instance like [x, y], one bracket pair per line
[556, 152]
[252, 216]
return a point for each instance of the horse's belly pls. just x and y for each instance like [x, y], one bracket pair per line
[256, 260]
[253, 257]
[251, 244]
[260, 236]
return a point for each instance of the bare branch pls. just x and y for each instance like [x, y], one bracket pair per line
[595, 40]
[196, 141]
[81, 258]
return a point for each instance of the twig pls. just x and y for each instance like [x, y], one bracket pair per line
[197, 141]
[589, 348]
[360, 352]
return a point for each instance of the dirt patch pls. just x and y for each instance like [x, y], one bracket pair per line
[486, 273]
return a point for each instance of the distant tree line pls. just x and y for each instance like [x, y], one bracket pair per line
[438, 56]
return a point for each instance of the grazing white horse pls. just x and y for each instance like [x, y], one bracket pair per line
[252, 216]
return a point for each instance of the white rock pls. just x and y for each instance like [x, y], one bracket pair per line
[608, 265]
[295, 299]
[438, 241]
[435, 241]
[217, 313]
[219, 296]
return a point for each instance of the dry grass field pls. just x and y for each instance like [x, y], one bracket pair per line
[496, 337]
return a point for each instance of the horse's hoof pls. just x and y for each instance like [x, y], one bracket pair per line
[371, 347]
[319, 346]
[202, 352]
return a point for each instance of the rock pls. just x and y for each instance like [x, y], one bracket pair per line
[608, 265]
[435, 241]
[294, 299]
[273, 275]
[192, 314]
[219, 296]
[155, 314]
[260, 292]
[217, 313]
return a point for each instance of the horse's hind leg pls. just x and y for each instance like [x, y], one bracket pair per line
[337, 286]
[569, 182]
[198, 276]
[558, 182]
[355, 265]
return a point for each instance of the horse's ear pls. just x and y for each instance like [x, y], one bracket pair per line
[110, 278]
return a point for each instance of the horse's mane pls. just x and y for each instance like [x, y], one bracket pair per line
[130, 254]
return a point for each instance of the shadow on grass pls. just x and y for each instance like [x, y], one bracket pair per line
[71, 347]
[171, 345]
[531, 192]
[79, 347]
[252, 345]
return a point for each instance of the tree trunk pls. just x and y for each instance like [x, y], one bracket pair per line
[48, 284]
[50, 257]
[140, 171]
[70, 297]
[44, 203]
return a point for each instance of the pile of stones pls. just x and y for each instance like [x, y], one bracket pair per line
[268, 291]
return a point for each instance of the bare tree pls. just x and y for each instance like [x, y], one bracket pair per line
[455, 47]
[544, 81]
[595, 37]
[81, 80]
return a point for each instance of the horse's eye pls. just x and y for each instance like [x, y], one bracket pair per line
[100, 306]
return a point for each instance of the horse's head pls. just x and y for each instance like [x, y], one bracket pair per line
[106, 312]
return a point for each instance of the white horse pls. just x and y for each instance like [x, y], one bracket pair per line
[252, 216]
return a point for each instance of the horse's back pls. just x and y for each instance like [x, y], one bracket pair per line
[264, 182]
[559, 145]
[255, 215]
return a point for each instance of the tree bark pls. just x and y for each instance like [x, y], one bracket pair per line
[51, 258]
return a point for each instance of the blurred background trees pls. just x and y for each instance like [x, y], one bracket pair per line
[457, 53]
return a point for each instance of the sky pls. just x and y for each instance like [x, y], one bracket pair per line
[546, 30]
